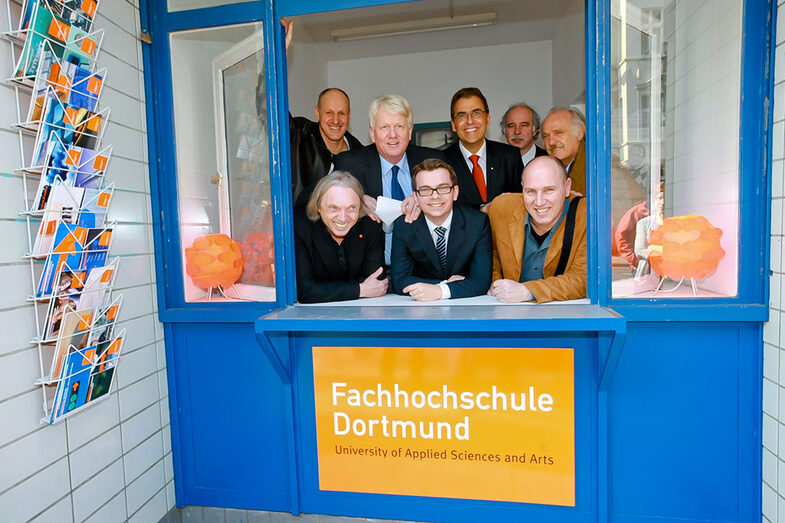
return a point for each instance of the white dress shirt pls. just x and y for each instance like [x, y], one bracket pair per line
[432, 228]
[529, 155]
[483, 159]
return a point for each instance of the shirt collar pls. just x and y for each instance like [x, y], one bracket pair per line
[432, 226]
[466, 152]
[386, 166]
[529, 155]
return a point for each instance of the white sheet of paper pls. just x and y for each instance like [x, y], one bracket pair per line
[388, 209]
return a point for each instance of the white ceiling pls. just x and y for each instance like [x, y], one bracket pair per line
[516, 21]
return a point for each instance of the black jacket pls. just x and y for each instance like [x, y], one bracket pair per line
[366, 166]
[311, 158]
[320, 276]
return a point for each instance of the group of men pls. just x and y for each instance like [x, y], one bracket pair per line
[466, 228]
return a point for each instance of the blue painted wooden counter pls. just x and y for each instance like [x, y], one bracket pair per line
[596, 333]
[564, 318]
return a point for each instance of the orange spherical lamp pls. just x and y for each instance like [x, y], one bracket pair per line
[685, 247]
[214, 261]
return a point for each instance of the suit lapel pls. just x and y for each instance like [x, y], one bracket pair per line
[492, 181]
[374, 169]
[413, 157]
[465, 179]
[457, 239]
[426, 240]
[517, 228]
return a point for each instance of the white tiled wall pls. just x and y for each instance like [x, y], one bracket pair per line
[113, 461]
[774, 330]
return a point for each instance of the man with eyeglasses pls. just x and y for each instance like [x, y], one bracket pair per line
[446, 252]
[384, 167]
[485, 168]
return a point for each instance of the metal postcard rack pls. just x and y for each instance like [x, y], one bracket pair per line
[54, 50]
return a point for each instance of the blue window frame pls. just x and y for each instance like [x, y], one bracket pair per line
[750, 304]
[159, 23]
[755, 164]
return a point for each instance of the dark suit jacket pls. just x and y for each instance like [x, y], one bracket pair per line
[310, 156]
[469, 253]
[365, 165]
[320, 277]
[504, 168]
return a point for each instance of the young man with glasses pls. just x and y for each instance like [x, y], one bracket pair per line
[485, 168]
[446, 252]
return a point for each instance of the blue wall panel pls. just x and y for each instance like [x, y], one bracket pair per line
[231, 409]
[684, 423]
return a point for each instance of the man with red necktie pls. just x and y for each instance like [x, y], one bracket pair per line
[485, 168]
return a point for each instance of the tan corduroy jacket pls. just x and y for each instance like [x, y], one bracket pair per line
[508, 217]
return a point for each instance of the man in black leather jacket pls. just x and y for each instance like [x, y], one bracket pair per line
[315, 144]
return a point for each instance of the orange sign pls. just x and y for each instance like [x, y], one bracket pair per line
[105, 238]
[103, 199]
[88, 46]
[94, 123]
[71, 116]
[100, 163]
[78, 281]
[474, 423]
[94, 85]
[73, 157]
[112, 312]
[59, 30]
[88, 6]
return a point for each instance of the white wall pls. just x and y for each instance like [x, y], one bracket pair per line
[112, 461]
[307, 70]
[773, 331]
[569, 57]
[505, 73]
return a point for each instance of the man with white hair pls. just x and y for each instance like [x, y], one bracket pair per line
[563, 133]
[384, 167]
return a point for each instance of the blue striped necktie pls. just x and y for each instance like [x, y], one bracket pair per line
[395, 188]
[441, 246]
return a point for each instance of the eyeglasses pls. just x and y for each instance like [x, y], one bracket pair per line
[427, 191]
[476, 114]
